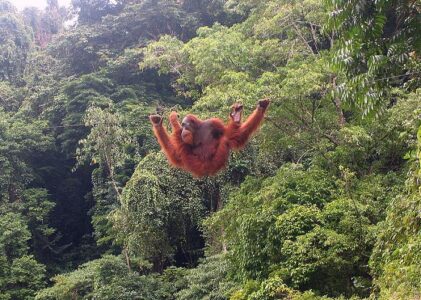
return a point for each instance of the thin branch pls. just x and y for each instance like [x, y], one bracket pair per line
[302, 37]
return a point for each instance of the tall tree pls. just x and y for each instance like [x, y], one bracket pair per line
[15, 44]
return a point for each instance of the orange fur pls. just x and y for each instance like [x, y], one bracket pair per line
[210, 150]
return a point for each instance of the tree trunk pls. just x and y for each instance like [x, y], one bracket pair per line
[338, 104]
[126, 255]
[219, 206]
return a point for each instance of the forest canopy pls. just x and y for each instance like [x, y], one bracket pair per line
[323, 203]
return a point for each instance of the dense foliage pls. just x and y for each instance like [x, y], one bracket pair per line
[324, 203]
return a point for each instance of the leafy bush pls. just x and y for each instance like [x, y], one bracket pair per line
[106, 278]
